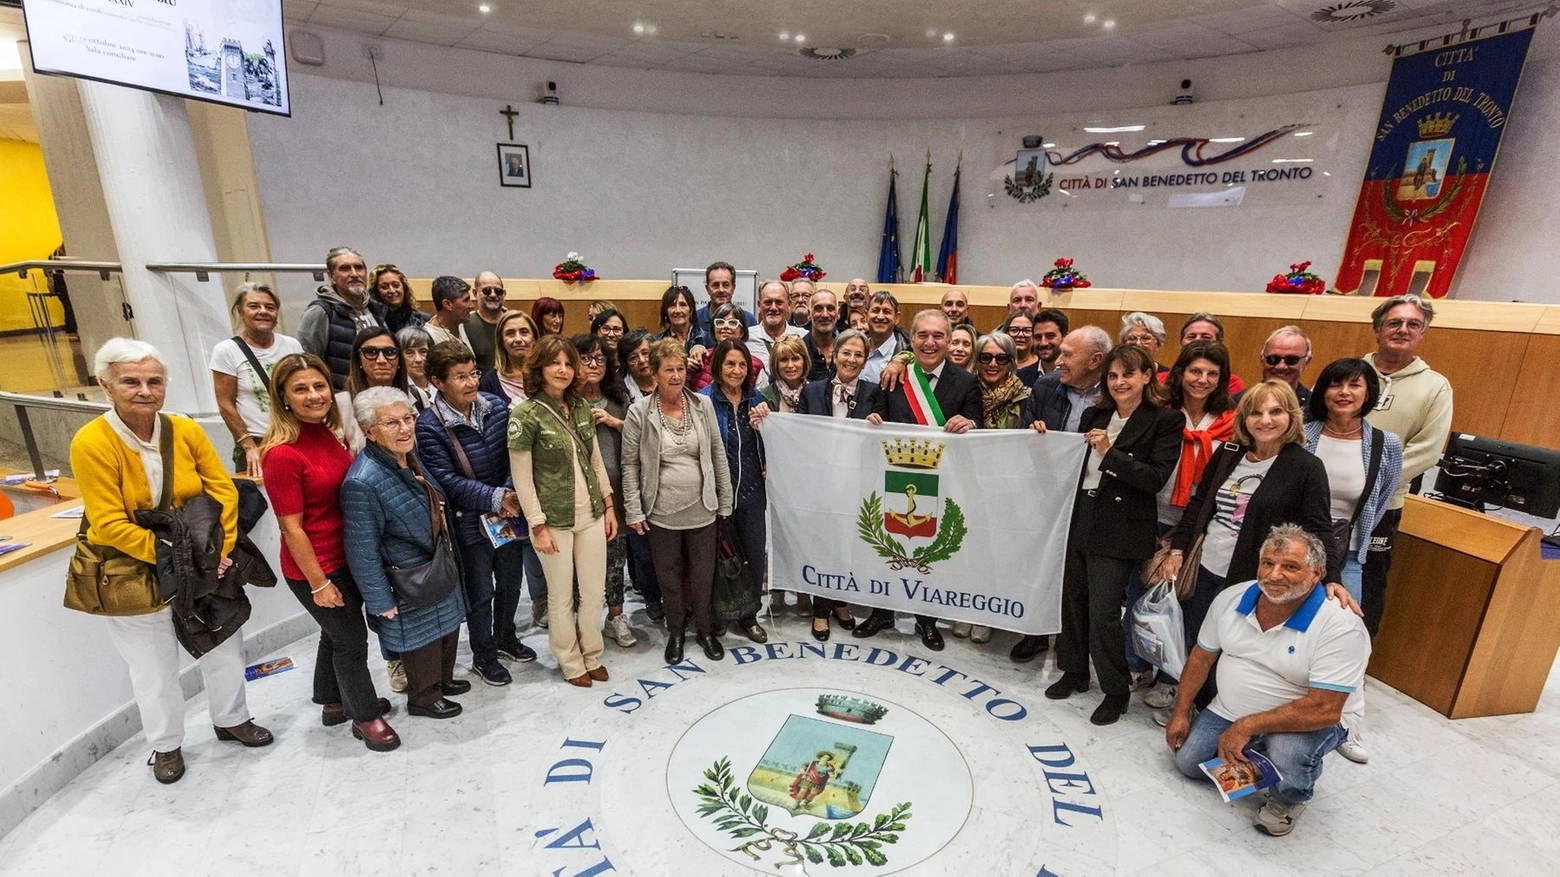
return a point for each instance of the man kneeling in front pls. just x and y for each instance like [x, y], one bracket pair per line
[1290, 662]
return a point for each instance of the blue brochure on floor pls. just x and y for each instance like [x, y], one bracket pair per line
[1241, 778]
[268, 668]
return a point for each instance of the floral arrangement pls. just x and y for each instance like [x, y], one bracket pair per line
[1297, 282]
[1064, 276]
[806, 268]
[574, 270]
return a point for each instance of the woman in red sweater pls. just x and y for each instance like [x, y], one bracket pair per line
[305, 447]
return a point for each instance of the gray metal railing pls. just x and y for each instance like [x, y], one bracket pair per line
[21, 402]
[204, 270]
[101, 269]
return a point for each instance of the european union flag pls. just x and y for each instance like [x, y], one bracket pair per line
[888, 257]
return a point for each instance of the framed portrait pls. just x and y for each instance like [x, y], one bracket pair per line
[514, 165]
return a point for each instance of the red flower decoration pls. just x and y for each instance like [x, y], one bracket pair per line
[1298, 281]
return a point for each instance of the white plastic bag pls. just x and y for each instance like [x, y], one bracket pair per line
[1157, 633]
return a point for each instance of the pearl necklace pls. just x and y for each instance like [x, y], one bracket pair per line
[678, 430]
[1353, 432]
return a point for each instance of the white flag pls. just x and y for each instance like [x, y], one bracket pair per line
[966, 527]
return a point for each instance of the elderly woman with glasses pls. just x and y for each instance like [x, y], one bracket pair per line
[389, 502]
[1148, 332]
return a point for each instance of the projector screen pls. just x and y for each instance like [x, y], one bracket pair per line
[224, 51]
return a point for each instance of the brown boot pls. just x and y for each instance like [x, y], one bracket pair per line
[376, 735]
[167, 767]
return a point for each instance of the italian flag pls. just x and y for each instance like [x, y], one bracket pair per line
[918, 389]
[921, 262]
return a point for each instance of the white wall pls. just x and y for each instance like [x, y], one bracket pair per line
[644, 171]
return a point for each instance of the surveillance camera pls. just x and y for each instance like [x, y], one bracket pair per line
[549, 94]
[1184, 96]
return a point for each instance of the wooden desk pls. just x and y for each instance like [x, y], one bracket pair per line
[1472, 620]
[38, 529]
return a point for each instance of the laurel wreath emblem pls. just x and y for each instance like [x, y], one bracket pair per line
[1412, 215]
[950, 536]
[1024, 194]
[839, 844]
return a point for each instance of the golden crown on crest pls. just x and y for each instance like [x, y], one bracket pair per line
[913, 454]
[1437, 124]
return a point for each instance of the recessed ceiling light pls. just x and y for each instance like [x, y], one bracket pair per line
[785, 35]
[947, 37]
[1225, 139]
[931, 33]
[1108, 24]
[1293, 160]
[1048, 146]
[1119, 129]
[801, 38]
[1090, 18]
[484, 8]
[1304, 133]
[639, 28]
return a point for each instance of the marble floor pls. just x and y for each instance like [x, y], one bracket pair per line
[545, 778]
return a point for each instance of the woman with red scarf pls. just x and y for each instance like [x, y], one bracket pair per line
[1198, 386]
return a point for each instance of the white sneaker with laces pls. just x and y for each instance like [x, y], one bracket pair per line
[961, 629]
[1354, 748]
[397, 670]
[1161, 696]
[979, 634]
[622, 634]
[1277, 818]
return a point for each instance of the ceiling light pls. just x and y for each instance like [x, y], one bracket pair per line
[484, 8]
[1048, 146]
[931, 33]
[1116, 130]
[947, 37]
[639, 28]
[1304, 133]
[650, 29]
[1089, 19]
[1108, 24]
[785, 35]
[1225, 139]
[1113, 143]
[1326, 173]
[801, 38]
[1293, 160]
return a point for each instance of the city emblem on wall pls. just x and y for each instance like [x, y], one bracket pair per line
[1029, 181]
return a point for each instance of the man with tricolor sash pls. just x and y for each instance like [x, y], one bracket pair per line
[932, 393]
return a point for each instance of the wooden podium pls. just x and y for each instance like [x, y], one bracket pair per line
[1472, 619]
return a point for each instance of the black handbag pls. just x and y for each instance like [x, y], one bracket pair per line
[427, 584]
[733, 597]
[1343, 530]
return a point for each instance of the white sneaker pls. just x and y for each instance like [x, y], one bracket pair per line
[980, 633]
[1354, 748]
[1144, 680]
[621, 633]
[1162, 718]
[1277, 818]
[1161, 696]
[397, 670]
[961, 629]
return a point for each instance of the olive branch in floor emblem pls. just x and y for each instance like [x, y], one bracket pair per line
[840, 844]
[948, 541]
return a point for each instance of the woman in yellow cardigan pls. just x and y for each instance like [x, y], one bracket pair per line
[117, 462]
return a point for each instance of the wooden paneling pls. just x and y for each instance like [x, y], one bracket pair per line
[1495, 354]
[1517, 641]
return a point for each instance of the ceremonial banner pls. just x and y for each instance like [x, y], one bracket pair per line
[966, 527]
[1436, 143]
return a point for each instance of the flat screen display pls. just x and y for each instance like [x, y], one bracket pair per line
[224, 51]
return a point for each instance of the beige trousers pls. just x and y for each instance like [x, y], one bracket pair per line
[575, 637]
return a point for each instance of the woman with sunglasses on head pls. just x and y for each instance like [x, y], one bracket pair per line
[389, 286]
[516, 333]
[727, 323]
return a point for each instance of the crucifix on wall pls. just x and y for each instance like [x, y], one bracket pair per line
[509, 113]
[514, 159]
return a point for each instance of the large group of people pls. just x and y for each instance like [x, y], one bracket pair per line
[426, 469]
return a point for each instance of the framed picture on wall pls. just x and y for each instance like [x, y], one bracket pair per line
[514, 165]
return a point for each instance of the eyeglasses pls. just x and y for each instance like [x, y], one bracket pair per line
[492, 290]
[731, 322]
[1021, 333]
[464, 376]
[1275, 359]
[1414, 325]
[610, 330]
[998, 358]
[593, 359]
[398, 423]
[380, 352]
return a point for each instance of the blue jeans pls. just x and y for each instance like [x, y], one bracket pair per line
[493, 577]
[642, 568]
[1298, 756]
[1353, 576]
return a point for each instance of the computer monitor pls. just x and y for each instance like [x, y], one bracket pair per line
[1477, 471]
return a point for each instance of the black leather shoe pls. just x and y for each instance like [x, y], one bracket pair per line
[711, 646]
[847, 623]
[1110, 709]
[439, 709]
[455, 687]
[1067, 686]
[756, 632]
[930, 636]
[332, 714]
[872, 625]
[821, 635]
[1028, 647]
[674, 648]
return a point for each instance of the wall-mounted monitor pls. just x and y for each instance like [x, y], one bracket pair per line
[213, 50]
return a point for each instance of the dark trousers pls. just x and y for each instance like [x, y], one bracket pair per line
[429, 667]
[642, 568]
[685, 569]
[1373, 578]
[341, 662]
[1093, 587]
[752, 537]
[490, 621]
